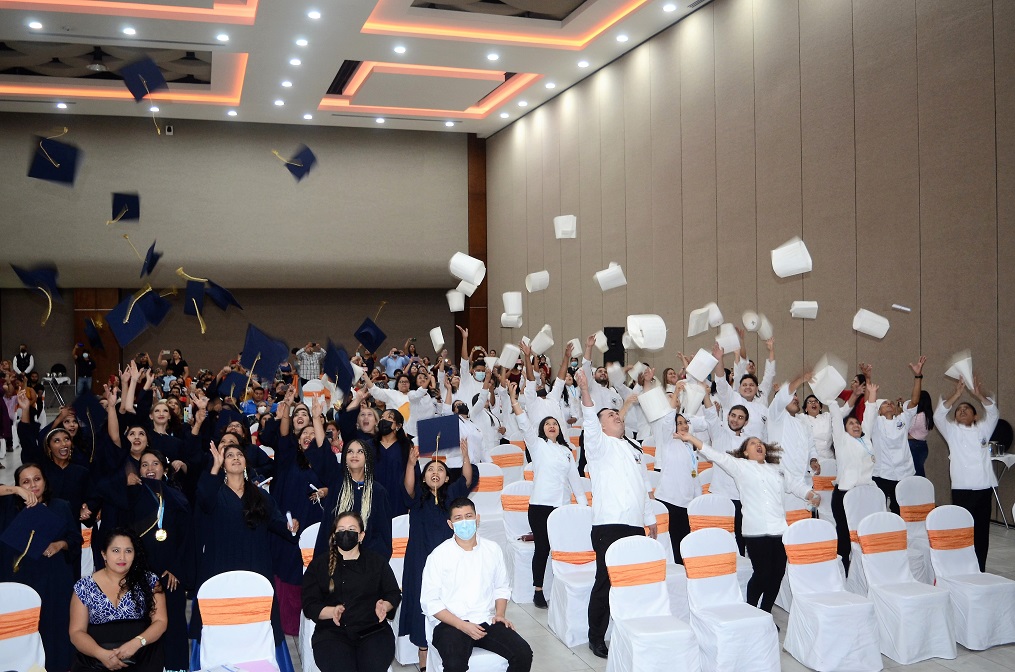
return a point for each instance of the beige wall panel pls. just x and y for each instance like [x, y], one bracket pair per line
[958, 225]
[570, 278]
[642, 260]
[500, 162]
[777, 114]
[697, 154]
[736, 228]
[887, 186]
[551, 296]
[533, 241]
[590, 215]
[21, 312]
[609, 91]
[665, 181]
[1004, 97]
[506, 262]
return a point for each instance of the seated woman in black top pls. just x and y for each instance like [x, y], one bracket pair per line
[350, 592]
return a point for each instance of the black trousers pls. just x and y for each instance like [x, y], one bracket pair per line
[738, 526]
[538, 515]
[679, 528]
[334, 651]
[844, 547]
[977, 503]
[599, 600]
[455, 647]
[920, 452]
[768, 557]
[888, 487]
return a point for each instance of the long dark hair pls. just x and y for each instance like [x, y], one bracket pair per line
[442, 491]
[136, 582]
[401, 438]
[169, 477]
[255, 511]
[560, 434]
[926, 406]
[301, 457]
[773, 452]
[347, 494]
[17, 479]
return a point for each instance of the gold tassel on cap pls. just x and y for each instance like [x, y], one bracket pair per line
[158, 131]
[171, 290]
[200, 319]
[286, 161]
[379, 309]
[17, 561]
[53, 137]
[180, 272]
[138, 254]
[118, 217]
[49, 306]
[133, 301]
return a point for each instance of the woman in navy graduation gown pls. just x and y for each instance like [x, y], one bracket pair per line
[53, 574]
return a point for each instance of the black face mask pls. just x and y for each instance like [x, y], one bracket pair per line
[385, 427]
[347, 539]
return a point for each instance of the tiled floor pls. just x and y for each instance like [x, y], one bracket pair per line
[552, 656]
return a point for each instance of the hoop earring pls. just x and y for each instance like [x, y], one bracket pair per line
[245, 474]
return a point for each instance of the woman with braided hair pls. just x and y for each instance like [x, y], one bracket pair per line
[353, 488]
[349, 592]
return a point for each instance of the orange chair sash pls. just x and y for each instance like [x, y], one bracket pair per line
[637, 574]
[950, 540]
[528, 475]
[650, 465]
[662, 524]
[518, 444]
[812, 552]
[883, 542]
[706, 488]
[490, 484]
[823, 483]
[797, 514]
[704, 466]
[649, 450]
[574, 557]
[518, 503]
[86, 537]
[308, 555]
[588, 498]
[398, 546]
[916, 513]
[854, 537]
[707, 566]
[703, 522]
[574, 440]
[19, 623]
[509, 460]
[235, 610]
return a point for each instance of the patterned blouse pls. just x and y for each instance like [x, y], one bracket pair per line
[101, 610]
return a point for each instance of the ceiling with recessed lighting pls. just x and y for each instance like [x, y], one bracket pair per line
[455, 65]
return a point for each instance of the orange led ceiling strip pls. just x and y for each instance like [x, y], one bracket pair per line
[377, 24]
[235, 66]
[243, 12]
[480, 110]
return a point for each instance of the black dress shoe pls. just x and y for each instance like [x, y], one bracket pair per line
[599, 649]
[539, 601]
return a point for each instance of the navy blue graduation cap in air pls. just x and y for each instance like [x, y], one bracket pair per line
[261, 353]
[338, 367]
[31, 531]
[126, 330]
[370, 335]
[221, 296]
[233, 385]
[436, 434]
[143, 77]
[89, 411]
[54, 161]
[193, 298]
[126, 207]
[42, 278]
[301, 163]
[154, 307]
[94, 337]
[150, 259]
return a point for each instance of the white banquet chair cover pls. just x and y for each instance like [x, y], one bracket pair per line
[914, 619]
[717, 511]
[20, 603]
[733, 636]
[570, 532]
[860, 502]
[308, 540]
[226, 644]
[915, 495]
[646, 636]
[824, 485]
[982, 605]
[406, 652]
[518, 553]
[829, 627]
[511, 460]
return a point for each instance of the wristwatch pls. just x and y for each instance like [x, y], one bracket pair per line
[144, 642]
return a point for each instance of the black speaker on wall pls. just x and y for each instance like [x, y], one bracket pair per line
[614, 345]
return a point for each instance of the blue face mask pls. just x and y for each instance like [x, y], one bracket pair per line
[481, 376]
[465, 529]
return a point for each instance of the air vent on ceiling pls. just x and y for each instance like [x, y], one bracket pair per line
[696, 4]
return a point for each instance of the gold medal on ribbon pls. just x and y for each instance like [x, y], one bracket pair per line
[694, 473]
[160, 535]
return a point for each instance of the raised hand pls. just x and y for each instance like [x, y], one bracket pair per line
[413, 455]
[581, 380]
[917, 368]
[218, 457]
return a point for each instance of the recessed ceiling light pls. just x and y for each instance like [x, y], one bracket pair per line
[669, 7]
[129, 31]
[279, 102]
[449, 124]
[551, 85]
[222, 37]
[523, 103]
[35, 25]
[287, 84]
[379, 120]
[492, 56]
[301, 42]
[622, 38]
[295, 61]
[314, 14]
[504, 115]
[308, 117]
[583, 64]
[153, 108]
[62, 106]
[399, 49]
[231, 113]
